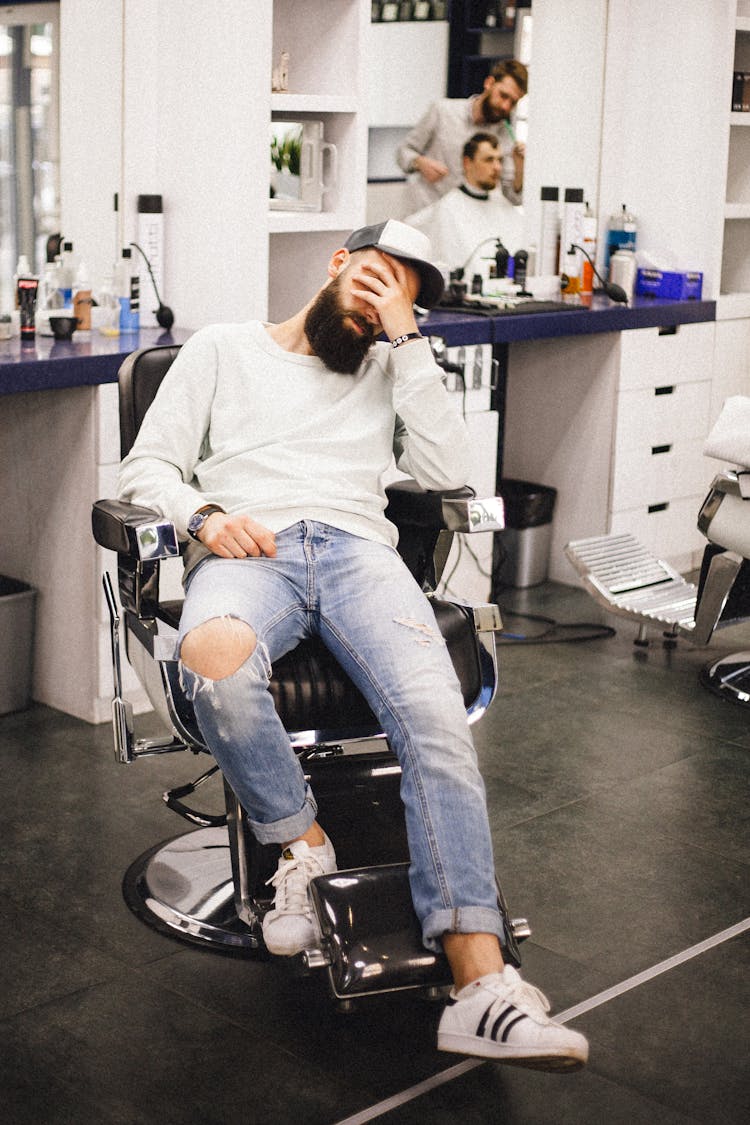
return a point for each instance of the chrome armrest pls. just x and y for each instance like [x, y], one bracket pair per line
[472, 514]
[132, 530]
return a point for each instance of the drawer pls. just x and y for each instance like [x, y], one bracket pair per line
[651, 359]
[647, 474]
[658, 416]
[668, 531]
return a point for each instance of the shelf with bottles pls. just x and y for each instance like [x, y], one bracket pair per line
[481, 33]
[408, 11]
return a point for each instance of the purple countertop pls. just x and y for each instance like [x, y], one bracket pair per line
[575, 320]
[49, 364]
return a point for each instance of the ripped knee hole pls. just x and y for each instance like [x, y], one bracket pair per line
[218, 647]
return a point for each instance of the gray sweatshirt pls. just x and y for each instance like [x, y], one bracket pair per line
[241, 422]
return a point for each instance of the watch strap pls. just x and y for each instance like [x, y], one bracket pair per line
[205, 511]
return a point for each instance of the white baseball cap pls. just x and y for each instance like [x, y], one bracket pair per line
[408, 245]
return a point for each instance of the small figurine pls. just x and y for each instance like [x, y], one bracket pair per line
[280, 75]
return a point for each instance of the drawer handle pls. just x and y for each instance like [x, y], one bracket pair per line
[668, 330]
[656, 449]
[667, 390]
[657, 508]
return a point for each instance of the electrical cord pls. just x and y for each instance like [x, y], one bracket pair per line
[555, 633]
[164, 315]
[611, 289]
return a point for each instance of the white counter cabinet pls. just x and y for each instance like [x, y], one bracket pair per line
[659, 475]
[616, 424]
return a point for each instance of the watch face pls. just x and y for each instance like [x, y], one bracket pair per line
[196, 522]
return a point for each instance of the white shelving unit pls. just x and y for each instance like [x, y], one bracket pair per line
[325, 42]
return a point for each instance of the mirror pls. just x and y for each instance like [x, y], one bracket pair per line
[29, 137]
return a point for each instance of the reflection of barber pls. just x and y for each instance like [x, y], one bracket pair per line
[462, 224]
[433, 147]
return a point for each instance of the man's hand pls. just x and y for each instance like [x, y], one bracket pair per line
[236, 537]
[431, 170]
[389, 287]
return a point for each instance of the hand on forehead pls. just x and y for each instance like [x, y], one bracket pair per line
[404, 273]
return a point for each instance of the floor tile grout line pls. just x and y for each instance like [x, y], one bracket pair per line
[453, 1072]
[654, 971]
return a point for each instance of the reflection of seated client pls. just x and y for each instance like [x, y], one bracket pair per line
[462, 224]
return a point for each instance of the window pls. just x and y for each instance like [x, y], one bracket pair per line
[29, 137]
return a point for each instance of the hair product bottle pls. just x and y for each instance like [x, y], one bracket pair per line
[151, 242]
[589, 245]
[128, 293]
[622, 232]
[549, 232]
[571, 239]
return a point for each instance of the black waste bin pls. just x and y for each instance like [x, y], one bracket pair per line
[520, 554]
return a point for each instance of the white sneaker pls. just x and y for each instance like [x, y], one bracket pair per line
[502, 1017]
[291, 925]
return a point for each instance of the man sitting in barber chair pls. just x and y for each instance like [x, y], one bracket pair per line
[268, 444]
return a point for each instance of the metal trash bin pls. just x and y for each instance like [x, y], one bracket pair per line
[520, 554]
[16, 644]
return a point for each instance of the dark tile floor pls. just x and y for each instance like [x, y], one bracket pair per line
[618, 791]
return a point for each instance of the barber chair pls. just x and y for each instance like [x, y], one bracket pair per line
[628, 581]
[208, 886]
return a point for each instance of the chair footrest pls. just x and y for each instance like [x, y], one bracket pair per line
[371, 936]
[627, 580]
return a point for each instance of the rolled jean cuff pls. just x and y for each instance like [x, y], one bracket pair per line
[282, 831]
[462, 920]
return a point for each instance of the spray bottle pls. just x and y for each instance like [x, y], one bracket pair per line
[622, 233]
[128, 293]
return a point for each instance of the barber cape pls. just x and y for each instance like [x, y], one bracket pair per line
[462, 228]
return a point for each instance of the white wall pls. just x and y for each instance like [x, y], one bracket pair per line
[566, 81]
[664, 140]
[191, 124]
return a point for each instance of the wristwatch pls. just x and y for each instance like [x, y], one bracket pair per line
[197, 520]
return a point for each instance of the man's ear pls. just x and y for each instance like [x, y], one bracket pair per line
[488, 82]
[338, 262]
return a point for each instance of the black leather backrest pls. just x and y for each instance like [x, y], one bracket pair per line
[139, 378]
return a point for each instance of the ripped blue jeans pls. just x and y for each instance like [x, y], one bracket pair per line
[359, 597]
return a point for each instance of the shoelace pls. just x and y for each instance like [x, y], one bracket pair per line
[291, 894]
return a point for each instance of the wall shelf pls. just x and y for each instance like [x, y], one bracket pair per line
[313, 103]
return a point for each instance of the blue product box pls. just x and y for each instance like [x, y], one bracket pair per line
[685, 286]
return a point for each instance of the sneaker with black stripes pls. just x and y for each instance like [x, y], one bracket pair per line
[501, 1016]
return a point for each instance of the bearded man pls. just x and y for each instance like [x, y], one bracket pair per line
[268, 445]
[432, 149]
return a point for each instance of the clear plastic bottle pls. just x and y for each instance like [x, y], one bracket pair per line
[128, 293]
[67, 274]
[108, 308]
[622, 233]
[82, 298]
[50, 299]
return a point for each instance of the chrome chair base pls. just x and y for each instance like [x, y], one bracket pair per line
[183, 887]
[729, 677]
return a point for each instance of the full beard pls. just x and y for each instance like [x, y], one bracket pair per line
[337, 344]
